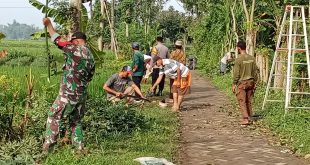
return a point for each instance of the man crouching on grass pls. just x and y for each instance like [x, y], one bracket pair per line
[119, 85]
[181, 75]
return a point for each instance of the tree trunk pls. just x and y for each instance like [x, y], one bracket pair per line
[280, 67]
[127, 30]
[232, 10]
[250, 32]
[280, 71]
[259, 63]
[266, 69]
[76, 19]
[100, 39]
[113, 35]
[127, 24]
[91, 9]
[112, 24]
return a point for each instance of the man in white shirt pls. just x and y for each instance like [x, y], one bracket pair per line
[228, 57]
[181, 75]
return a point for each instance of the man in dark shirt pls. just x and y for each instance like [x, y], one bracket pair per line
[120, 85]
[244, 81]
[137, 65]
[163, 52]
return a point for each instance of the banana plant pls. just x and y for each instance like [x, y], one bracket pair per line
[63, 20]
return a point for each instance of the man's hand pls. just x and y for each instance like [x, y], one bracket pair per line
[152, 89]
[234, 88]
[119, 94]
[46, 21]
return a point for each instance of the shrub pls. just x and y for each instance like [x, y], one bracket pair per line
[25, 151]
[104, 119]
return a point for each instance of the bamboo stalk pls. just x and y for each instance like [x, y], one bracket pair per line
[47, 47]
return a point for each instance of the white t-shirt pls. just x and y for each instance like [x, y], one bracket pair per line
[170, 68]
[147, 57]
[226, 58]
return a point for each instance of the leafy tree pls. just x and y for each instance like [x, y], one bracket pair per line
[170, 23]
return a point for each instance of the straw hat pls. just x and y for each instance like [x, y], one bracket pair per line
[178, 43]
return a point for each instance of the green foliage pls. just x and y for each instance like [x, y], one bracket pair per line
[60, 16]
[105, 119]
[170, 24]
[114, 133]
[25, 151]
[208, 34]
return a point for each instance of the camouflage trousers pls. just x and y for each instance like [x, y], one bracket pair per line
[63, 116]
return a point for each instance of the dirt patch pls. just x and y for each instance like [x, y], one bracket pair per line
[210, 133]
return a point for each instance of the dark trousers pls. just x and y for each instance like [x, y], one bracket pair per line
[155, 75]
[137, 80]
[171, 83]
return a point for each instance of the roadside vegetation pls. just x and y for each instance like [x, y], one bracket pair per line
[215, 31]
[114, 134]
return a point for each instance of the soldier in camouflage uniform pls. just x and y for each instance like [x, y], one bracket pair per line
[69, 106]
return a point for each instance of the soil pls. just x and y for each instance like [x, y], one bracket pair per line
[210, 133]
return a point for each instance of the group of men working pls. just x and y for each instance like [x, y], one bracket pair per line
[162, 64]
[79, 68]
[78, 71]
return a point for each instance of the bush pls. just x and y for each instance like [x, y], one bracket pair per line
[104, 119]
[25, 151]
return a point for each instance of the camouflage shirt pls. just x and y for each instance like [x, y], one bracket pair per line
[78, 69]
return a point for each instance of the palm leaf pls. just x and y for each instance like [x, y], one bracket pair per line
[50, 11]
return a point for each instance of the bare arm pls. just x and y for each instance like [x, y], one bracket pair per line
[51, 30]
[135, 68]
[109, 90]
[160, 77]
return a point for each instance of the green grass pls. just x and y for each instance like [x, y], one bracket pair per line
[292, 129]
[160, 140]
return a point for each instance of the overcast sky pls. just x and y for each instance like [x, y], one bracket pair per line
[23, 12]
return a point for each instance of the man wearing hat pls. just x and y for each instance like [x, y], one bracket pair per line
[179, 56]
[119, 85]
[137, 65]
[181, 75]
[78, 70]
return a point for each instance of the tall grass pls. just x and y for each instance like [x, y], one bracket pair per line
[159, 140]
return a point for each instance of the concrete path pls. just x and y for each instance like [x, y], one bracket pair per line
[211, 135]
